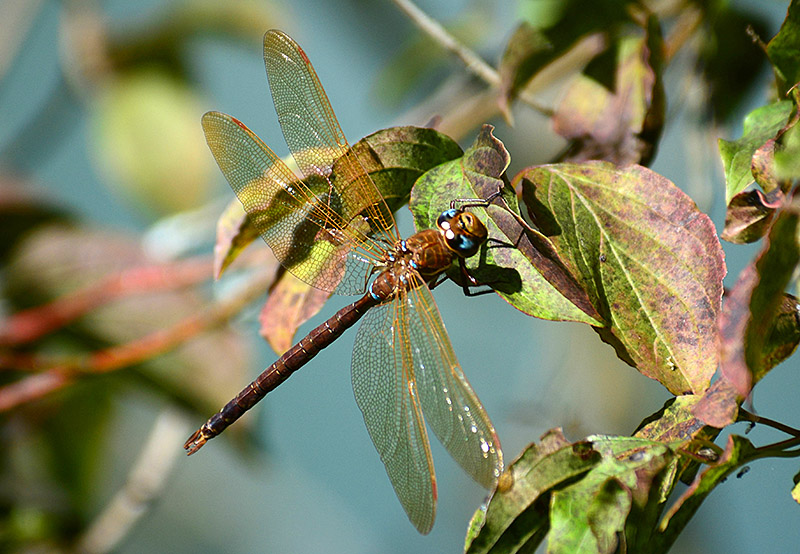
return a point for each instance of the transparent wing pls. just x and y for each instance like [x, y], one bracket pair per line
[384, 388]
[316, 140]
[297, 219]
[451, 407]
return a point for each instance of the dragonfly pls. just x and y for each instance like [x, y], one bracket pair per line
[333, 229]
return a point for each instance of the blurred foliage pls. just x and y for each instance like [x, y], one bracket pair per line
[90, 316]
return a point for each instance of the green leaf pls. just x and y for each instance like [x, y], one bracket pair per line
[393, 157]
[678, 515]
[633, 240]
[516, 517]
[674, 424]
[234, 234]
[522, 267]
[782, 49]
[589, 514]
[775, 267]
[760, 125]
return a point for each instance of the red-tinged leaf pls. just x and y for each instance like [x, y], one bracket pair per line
[775, 267]
[737, 452]
[719, 405]
[759, 322]
[633, 239]
[782, 49]
[516, 517]
[522, 267]
[291, 303]
[749, 215]
[760, 125]
[620, 125]
[234, 234]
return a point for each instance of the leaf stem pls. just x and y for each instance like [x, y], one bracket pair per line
[744, 415]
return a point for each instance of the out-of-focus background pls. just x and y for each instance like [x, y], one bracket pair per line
[100, 107]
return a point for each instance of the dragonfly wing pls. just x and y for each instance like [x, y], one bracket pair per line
[451, 407]
[384, 389]
[316, 140]
[295, 218]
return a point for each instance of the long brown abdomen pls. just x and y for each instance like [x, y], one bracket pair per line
[295, 358]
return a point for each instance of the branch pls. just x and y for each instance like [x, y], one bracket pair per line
[29, 325]
[66, 370]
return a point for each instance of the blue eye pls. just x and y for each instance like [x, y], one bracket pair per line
[446, 217]
[463, 245]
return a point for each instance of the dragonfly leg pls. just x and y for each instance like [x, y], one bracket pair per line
[476, 202]
[468, 280]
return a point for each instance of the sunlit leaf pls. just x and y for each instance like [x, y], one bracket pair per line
[673, 424]
[523, 268]
[760, 125]
[393, 157]
[633, 239]
[234, 234]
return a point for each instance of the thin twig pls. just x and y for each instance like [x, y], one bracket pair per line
[145, 483]
[472, 61]
[434, 29]
[744, 415]
[63, 372]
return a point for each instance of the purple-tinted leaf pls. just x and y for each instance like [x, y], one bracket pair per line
[633, 239]
[758, 323]
[522, 267]
[619, 125]
[749, 215]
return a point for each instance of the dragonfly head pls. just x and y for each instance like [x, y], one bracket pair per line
[463, 232]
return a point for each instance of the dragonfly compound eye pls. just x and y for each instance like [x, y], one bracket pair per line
[463, 232]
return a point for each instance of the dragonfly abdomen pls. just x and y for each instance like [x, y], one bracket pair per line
[294, 358]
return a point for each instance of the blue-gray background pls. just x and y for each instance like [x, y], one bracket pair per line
[320, 486]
